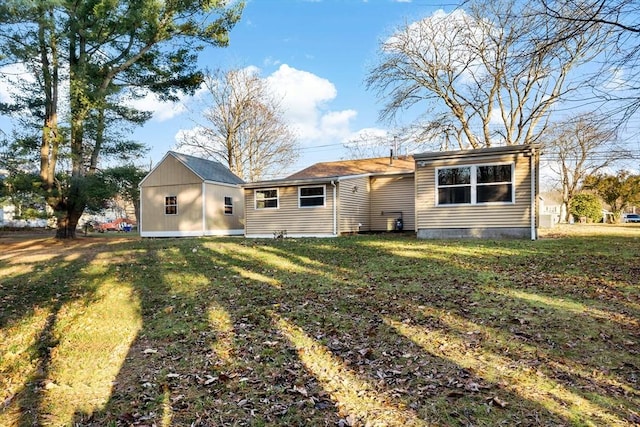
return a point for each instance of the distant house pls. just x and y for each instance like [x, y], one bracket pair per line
[189, 196]
[333, 198]
[491, 192]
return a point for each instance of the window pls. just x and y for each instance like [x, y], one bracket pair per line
[454, 186]
[266, 199]
[228, 205]
[475, 184]
[171, 205]
[494, 184]
[310, 197]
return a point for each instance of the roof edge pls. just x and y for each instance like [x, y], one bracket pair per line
[478, 152]
[303, 181]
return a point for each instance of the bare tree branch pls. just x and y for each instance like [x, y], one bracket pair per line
[243, 126]
[487, 68]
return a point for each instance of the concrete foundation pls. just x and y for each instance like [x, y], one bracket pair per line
[475, 233]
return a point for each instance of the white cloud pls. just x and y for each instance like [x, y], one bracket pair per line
[10, 75]
[336, 123]
[305, 98]
[368, 134]
[271, 62]
[162, 110]
[5, 94]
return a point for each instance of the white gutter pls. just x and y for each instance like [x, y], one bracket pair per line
[335, 209]
[204, 208]
[140, 210]
[532, 163]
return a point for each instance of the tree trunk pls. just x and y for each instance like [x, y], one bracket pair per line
[67, 224]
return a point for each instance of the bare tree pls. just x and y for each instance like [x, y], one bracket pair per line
[618, 78]
[244, 126]
[485, 71]
[578, 148]
[406, 140]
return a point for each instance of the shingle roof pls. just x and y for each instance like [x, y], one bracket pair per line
[208, 170]
[379, 165]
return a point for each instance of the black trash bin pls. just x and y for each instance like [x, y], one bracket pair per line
[399, 224]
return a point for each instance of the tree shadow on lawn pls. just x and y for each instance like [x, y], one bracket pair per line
[575, 327]
[306, 333]
[32, 299]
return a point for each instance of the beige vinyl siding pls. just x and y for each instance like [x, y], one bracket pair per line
[289, 216]
[516, 214]
[390, 195]
[215, 216]
[189, 217]
[353, 205]
[171, 172]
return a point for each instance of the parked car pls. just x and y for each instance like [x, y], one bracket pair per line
[632, 217]
[120, 224]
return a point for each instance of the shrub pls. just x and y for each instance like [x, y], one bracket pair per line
[586, 205]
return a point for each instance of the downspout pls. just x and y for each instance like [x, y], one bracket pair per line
[532, 163]
[335, 209]
[204, 208]
[140, 210]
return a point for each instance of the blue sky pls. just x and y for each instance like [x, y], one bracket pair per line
[315, 52]
[317, 55]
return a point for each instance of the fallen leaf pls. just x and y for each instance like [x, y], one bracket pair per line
[501, 403]
[301, 390]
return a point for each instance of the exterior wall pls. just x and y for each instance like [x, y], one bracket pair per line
[171, 172]
[354, 205]
[514, 219]
[391, 195]
[155, 223]
[289, 217]
[172, 178]
[217, 222]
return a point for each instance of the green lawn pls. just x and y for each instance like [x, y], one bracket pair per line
[378, 330]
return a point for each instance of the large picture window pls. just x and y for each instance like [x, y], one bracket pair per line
[475, 184]
[266, 199]
[310, 197]
[171, 205]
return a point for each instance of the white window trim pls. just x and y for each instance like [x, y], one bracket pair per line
[324, 196]
[224, 203]
[255, 198]
[167, 205]
[474, 185]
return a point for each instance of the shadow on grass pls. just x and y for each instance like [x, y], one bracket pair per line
[362, 330]
[307, 333]
[31, 304]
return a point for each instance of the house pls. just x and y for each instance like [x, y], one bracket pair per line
[550, 209]
[489, 193]
[189, 196]
[333, 198]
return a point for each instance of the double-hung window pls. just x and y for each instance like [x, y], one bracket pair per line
[494, 183]
[228, 205]
[454, 186]
[311, 197]
[475, 184]
[266, 199]
[171, 205]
